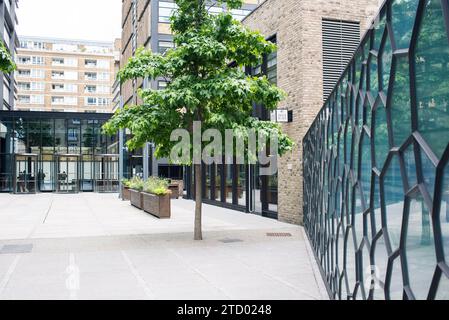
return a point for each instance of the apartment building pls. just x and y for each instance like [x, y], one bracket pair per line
[8, 22]
[146, 23]
[62, 75]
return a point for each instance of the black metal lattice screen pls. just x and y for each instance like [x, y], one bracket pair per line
[376, 162]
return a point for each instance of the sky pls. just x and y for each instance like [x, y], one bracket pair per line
[73, 19]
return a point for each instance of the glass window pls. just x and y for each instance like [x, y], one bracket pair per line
[229, 183]
[241, 185]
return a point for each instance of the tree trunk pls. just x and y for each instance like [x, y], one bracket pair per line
[198, 202]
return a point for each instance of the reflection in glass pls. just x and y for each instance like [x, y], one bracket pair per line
[377, 212]
[218, 178]
[394, 202]
[386, 57]
[241, 184]
[46, 173]
[374, 76]
[366, 167]
[350, 262]
[381, 143]
[209, 181]
[381, 263]
[443, 289]
[378, 33]
[358, 219]
[396, 284]
[400, 103]
[432, 82]
[403, 17]
[410, 166]
[60, 136]
[428, 172]
[229, 183]
[47, 136]
[420, 249]
[444, 214]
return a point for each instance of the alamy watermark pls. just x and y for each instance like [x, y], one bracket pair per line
[243, 146]
[73, 278]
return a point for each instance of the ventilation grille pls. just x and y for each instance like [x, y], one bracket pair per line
[279, 235]
[340, 40]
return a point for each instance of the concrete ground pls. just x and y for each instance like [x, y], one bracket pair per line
[92, 246]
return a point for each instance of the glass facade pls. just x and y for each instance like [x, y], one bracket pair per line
[376, 198]
[241, 187]
[57, 152]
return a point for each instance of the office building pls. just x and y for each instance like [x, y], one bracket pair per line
[146, 24]
[8, 23]
[315, 41]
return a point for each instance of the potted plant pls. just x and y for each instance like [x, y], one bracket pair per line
[126, 184]
[135, 190]
[156, 198]
[174, 188]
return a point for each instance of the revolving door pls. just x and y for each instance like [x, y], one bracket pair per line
[25, 177]
[67, 173]
[107, 173]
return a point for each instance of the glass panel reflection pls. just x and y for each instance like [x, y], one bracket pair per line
[420, 248]
[432, 83]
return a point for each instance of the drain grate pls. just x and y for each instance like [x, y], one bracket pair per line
[279, 235]
[231, 240]
[16, 249]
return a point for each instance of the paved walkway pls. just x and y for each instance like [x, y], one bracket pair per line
[91, 246]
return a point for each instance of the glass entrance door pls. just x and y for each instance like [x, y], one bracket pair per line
[107, 173]
[25, 173]
[264, 193]
[67, 173]
[45, 176]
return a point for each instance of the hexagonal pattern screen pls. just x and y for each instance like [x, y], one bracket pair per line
[376, 162]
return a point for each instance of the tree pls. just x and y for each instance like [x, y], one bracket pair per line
[7, 65]
[206, 82]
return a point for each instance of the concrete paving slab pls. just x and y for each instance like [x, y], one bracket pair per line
[91, 246]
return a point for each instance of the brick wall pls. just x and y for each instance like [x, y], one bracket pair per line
[298, 26]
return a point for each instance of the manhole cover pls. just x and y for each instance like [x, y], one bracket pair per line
[16, 249]
[231, 240]
[279, 235]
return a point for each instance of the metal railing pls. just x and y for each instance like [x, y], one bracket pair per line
[376, 162]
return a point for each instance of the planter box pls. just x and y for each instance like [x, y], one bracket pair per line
[174, 188]
[136, 199]
[157, 206]
[126, 195]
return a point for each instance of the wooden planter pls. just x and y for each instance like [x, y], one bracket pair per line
[126, 195]
[158, 206]
[174, 188]
[136, 198]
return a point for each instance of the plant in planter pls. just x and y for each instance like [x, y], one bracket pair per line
[136, 186]
[156, 198]
[126, 185]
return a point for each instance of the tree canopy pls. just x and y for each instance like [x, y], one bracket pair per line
[7, 65]
[206, 80]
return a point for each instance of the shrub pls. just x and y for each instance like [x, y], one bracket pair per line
[136, 183]
[126, 183]
[157, 186]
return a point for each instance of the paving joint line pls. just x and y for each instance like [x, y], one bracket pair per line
[6, 279]
[195, 270]
[276, 278]
[148, 292]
